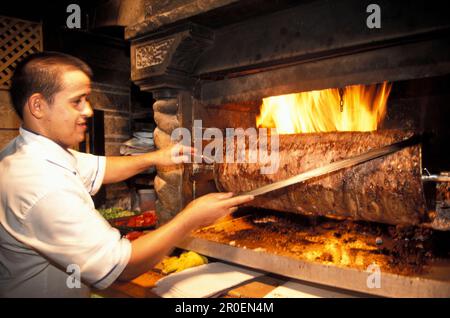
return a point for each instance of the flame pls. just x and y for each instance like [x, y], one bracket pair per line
[319, 111]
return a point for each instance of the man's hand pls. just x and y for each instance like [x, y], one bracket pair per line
[172, 155]
[208, 208]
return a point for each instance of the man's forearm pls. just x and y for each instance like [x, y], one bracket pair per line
[149, 249]
[122, 168]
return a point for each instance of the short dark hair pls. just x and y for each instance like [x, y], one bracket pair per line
[41, 73]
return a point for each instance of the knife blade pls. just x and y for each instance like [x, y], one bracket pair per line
[337, 165]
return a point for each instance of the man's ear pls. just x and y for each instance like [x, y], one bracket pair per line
[36, 104]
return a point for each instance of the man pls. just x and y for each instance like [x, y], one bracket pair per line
[48, 223]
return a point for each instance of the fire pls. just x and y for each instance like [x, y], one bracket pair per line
[364, 107]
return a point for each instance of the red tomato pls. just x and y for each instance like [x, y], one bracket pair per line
[149, 218]
[132, 222]
[145, 219]
[139, 220]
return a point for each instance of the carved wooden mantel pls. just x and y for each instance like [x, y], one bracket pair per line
[167, 59]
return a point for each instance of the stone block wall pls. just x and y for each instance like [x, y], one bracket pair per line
[168, 181]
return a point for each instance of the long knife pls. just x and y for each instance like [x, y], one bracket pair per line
[337, 165]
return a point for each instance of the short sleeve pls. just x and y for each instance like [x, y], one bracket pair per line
[91, 169]
[65, 229]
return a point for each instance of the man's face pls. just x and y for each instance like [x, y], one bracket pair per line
[66, 120]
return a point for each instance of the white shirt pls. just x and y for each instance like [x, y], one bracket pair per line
[48, 222]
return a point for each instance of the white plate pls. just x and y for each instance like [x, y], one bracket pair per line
[143, 134]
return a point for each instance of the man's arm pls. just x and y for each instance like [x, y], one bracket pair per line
[149, 249]
[124, 167]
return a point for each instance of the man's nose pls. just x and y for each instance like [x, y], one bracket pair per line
[87, 110]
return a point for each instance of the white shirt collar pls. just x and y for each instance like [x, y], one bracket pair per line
[52, 152]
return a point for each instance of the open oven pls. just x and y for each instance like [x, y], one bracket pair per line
[334, 86]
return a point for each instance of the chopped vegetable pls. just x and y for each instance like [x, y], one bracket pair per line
[114, 213]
